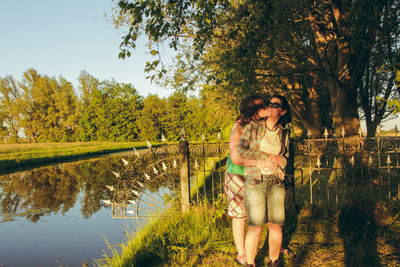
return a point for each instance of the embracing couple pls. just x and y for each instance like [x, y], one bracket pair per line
[259, 149]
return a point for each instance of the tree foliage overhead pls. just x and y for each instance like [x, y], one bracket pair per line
[314, 52]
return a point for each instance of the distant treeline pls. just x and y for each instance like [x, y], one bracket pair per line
[48, 109]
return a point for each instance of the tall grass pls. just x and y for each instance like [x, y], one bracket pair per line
[180, 240]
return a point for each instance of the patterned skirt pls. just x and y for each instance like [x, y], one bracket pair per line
[234, 190]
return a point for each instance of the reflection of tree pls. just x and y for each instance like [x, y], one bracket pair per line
[55, 189]
[95, 176]
[39, 192]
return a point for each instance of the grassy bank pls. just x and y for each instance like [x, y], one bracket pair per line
[352, 236]
[180, 240]
[19, 156]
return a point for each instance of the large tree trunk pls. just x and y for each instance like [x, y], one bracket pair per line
[305, 101]
[345, 113]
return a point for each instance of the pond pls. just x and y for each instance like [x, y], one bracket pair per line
[56, 215]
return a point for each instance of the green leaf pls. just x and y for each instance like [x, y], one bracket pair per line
[153, 52]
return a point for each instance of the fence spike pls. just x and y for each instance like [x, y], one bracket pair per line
[175, 165]
[155, 171]
[126, 163]
[111, 188]
[107, 202]
[203, 138]
[135, 192]
[164, 166]
[370, 160]
[148, 143]
[388, 161]
[352, 161]
[146, 176]
[131, 212]
[343, 131]
[136, 152]
[196, 164]
[219, 136]
[116, 174]
[163, 138]
[133, 202]
[309, 133]
[140, 184]
[318, 163]
[326, 133]
[378, 130]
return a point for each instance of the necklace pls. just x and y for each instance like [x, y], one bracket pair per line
[273, 128]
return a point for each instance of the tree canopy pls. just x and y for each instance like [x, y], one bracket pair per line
[320, 54]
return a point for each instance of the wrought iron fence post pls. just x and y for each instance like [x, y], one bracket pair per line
[184, 171]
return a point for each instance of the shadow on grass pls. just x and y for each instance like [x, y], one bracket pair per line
[358, 231]
[347, 237]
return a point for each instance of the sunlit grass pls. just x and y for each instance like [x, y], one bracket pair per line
[180, 240]
[212, 166]
[14, 156]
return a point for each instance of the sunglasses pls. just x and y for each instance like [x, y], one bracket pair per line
[273, 105]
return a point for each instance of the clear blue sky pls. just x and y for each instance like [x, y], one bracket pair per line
[64, 37]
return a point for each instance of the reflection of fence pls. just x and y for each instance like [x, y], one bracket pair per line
[327, 171]
[330, 170]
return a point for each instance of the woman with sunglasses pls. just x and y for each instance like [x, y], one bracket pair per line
[251, 108]
[264, 194]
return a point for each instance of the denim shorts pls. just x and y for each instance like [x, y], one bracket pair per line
[265, 199]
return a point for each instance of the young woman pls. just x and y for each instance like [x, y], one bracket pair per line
[251, 108]
[264, 195]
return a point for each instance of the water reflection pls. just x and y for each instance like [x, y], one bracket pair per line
[54, 189]
[56, 213]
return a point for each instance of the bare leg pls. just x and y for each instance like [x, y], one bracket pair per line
[274, 240]
[251, 243]
[238, 229]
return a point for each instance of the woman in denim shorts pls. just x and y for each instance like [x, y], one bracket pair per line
[264, 195]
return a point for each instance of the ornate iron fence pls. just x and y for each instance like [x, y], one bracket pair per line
[326, 171]
[154, 180]
[330, 170]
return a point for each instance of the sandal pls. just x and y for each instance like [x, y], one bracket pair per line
[288, 251]
[241, 260]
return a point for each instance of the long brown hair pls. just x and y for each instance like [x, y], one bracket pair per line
[248, 109]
